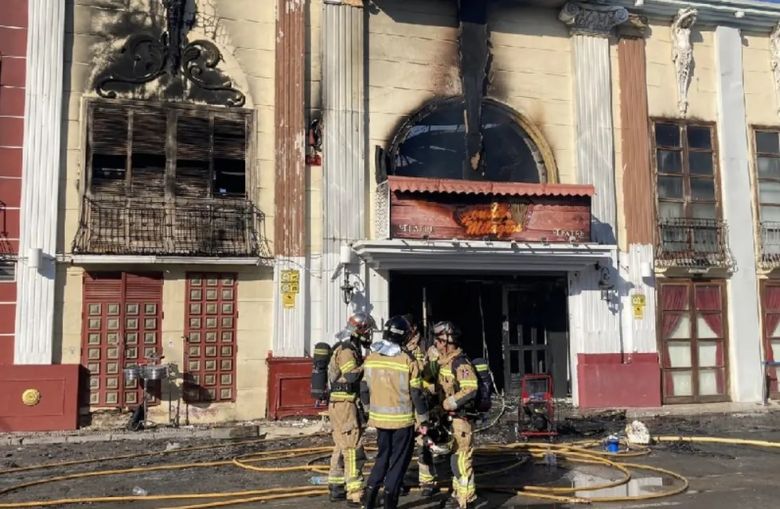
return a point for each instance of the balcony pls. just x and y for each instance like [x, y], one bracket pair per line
[209, 227]
[770, 245]
[693, 244]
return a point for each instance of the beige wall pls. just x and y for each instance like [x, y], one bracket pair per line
[244, 30]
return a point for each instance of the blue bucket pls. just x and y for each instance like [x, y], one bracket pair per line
[613, 445]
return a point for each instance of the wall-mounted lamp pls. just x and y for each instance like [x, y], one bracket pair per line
[34, 255]
[347, 288]
[646, 270]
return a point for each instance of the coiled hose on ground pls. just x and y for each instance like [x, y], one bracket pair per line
[582, 452]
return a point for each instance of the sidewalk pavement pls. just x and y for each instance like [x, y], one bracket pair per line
[311, 425]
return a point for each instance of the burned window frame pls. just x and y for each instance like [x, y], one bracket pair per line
[687, 201]
[9, 275]
[540, 149]
[173, 112]
[758, 154]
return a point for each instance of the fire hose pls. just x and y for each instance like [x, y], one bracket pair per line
[582, 452]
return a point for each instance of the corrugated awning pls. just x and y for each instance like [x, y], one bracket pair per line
[450, 186]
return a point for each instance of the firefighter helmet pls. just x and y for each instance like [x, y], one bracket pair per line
[449, 328]
[361, 325]
[397, 330]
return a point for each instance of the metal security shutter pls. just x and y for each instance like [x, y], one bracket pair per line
[121, 323]
[210, 332]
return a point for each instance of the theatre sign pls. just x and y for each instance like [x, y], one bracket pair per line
[443, 209]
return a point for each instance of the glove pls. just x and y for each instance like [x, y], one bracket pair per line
[422, 429]
[450, 404]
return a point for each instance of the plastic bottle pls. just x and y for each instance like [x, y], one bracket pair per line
[139, 491]
[318, 480]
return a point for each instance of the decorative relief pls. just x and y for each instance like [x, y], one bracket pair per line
[144, 58]
[682, 53]
[592, 19]
[382, 221]
[31, 397]
[774, 50]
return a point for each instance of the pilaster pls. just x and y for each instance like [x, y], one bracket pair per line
[344, 156]
[40, 180]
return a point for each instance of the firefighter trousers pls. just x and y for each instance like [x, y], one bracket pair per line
[346, 462]
[426, 473]
[462, 472]
[396, 447]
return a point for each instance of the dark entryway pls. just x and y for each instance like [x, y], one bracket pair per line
[519, 323]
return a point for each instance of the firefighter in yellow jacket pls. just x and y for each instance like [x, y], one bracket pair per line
[425, 472]
[392, 391]
[345, 479]
[457, 384]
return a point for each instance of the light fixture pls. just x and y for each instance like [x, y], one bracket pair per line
[646, 270]
[34, 255]
[345, 258]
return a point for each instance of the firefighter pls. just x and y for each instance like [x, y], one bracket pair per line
[345, 479]
[425, 471]
[457, 384]
[392, 391]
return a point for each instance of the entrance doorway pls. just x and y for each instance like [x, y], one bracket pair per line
[519, 323]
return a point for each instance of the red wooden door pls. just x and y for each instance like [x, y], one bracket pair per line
[770, 301]
[121, 323]
[210, 334]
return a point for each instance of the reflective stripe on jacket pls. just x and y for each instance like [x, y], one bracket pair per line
[390, 382]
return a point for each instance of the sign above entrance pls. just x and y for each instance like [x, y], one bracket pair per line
[449, 209]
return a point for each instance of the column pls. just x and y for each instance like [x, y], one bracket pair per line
[290, 268]
[590, 27]
[344, 157]
[40, 178]
[743, 308]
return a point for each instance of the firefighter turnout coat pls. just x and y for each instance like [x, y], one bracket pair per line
[391, 388]
[457, 384]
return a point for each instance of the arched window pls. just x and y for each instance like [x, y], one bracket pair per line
[432, 144]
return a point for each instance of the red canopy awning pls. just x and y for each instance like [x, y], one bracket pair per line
[450, 186]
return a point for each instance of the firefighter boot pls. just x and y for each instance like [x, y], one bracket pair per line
[337, 493]
[370, 496]
[452, 503]
[391, 500]
[429, 490]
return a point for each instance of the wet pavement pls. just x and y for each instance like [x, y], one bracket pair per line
[724, 476]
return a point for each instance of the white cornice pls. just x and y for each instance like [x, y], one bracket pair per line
[744, 14]
[159, 260]
[498, 256]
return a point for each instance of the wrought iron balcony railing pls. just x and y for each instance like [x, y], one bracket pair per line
[770, 244]
[209, 227]
[693, 243]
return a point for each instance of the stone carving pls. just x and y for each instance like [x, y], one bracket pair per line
[382, 218]
[682, 53]
[774, 50]
[592, 19]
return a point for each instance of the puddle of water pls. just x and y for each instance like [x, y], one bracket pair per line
[634, 487]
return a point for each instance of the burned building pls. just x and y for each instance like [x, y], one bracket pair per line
[586, 188]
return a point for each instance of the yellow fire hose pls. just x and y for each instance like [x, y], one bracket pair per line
[576, 452]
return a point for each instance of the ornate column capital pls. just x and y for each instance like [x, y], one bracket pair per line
[592, 19]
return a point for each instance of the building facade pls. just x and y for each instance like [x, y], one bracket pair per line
[588, 189]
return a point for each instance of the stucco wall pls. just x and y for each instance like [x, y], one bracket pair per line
[244, 31]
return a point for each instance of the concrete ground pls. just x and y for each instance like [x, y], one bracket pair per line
[724, 476]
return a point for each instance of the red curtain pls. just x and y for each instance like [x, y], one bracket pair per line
[673, 297]
[708, 298]
[771, 309]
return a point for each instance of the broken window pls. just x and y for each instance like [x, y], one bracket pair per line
[158, 152]
[433, 144]
[686, 184]
[7, 271]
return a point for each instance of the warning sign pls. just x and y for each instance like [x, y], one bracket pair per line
[289, 286]
[638, 305]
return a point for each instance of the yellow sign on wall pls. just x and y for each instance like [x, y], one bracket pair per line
[638, 302]
[289, 286]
